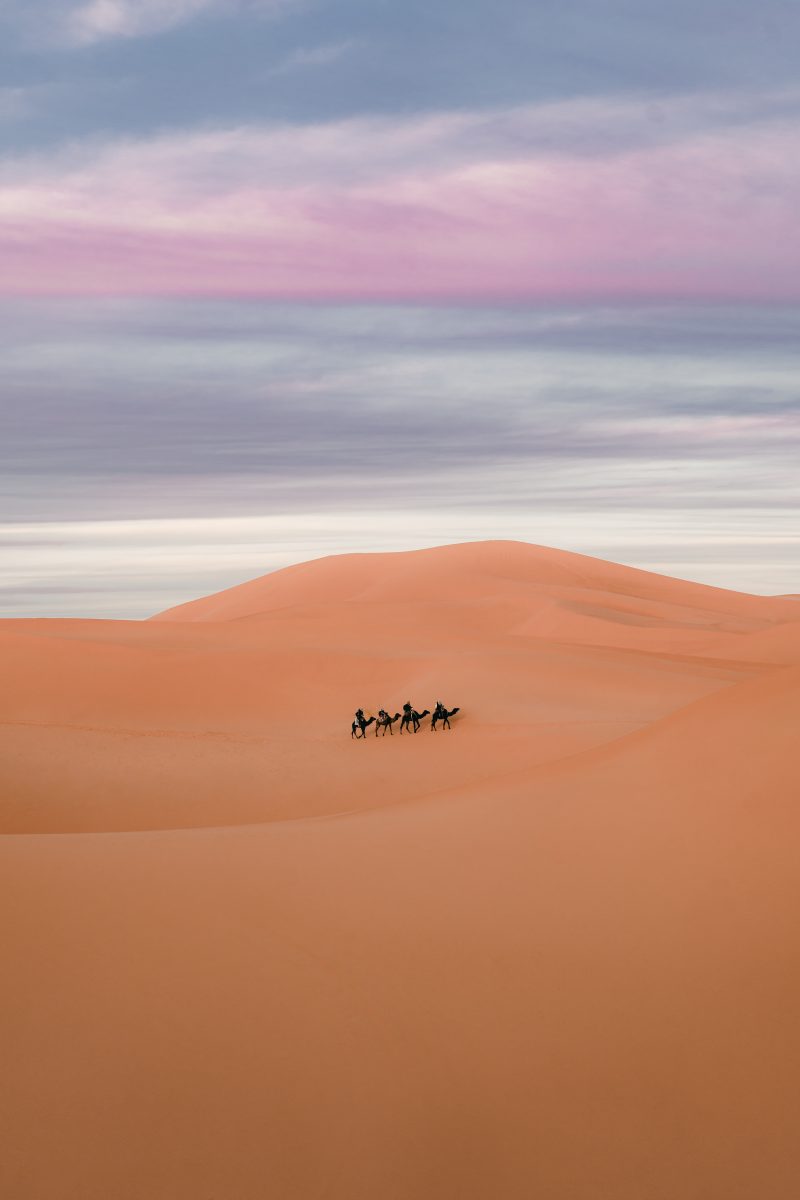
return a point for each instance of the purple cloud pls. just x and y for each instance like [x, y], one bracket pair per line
[431, 207]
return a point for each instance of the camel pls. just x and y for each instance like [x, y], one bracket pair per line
[361, 724]
[442, 714]
[413, 717]
[386, 722]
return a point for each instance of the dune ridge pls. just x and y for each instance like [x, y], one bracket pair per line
[548, 952]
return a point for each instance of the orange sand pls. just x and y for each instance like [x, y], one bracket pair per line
[550, 953]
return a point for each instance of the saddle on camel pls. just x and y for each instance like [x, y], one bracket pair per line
[411, 718]
[359, 727]
[443, 714]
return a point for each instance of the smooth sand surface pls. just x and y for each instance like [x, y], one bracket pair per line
[551, 953]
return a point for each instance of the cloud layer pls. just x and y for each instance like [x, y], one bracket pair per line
[100, 19]
[446, 206]
[283, 278]
[155, 451]
[76, 24]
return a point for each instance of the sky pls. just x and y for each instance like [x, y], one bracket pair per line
[282, 278]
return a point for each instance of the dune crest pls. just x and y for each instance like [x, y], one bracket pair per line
[547, 952]
[466, 571]
[233, 709]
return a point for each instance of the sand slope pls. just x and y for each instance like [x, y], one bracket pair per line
[548, 953]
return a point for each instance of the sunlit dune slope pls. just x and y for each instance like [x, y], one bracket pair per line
[242, 712]
[474, 572]
[736, 746]
[549, 953]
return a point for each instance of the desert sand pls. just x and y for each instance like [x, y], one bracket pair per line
[552, 952]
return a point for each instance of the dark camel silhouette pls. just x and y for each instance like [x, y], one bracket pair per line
[362, 724]
[386, 722]
[413, 717]
[442, 714]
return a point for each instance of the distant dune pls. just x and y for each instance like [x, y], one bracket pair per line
[548, 953]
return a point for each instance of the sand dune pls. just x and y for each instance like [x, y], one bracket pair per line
[547, 953]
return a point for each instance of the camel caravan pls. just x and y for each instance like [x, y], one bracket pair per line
[410, 720]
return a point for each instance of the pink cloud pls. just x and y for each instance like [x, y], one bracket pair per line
[67, 24]
[428, 208]
[97, 20]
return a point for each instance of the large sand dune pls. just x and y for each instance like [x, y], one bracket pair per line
[550, 953]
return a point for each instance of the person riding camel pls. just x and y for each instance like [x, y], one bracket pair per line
[411, 718]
